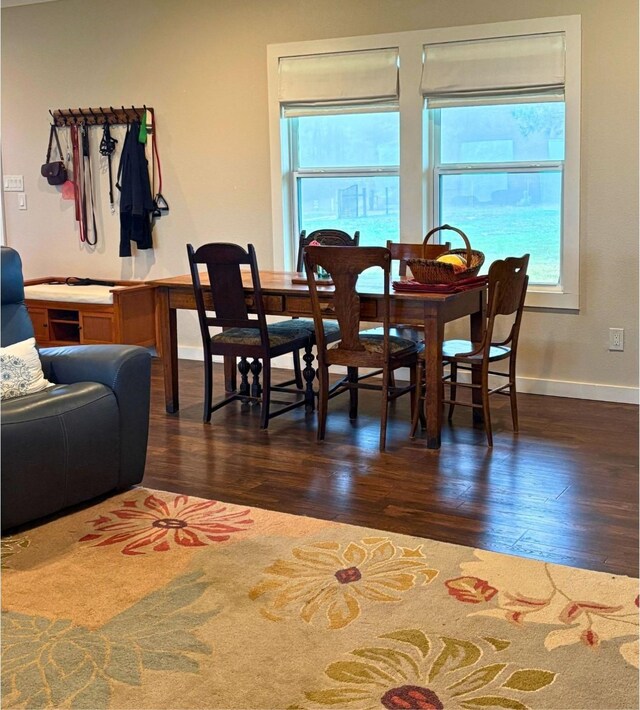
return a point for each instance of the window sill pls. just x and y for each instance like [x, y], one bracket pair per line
[551, 298]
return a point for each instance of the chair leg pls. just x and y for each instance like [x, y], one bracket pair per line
[266, 393]
[413, 382]
[385, 409]
[256, 369]
[422, 376]
[309, 374]
[230, 380]
[418, 408]
[486, 411]
[243, 369]
[208, 388]
[323, 400]
[452, 389]
[352, 374]
[513, 394]
[297, 371]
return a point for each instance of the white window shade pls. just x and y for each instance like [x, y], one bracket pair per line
[320, 83]
[517, 67]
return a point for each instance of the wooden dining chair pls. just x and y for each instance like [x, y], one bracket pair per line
[242, 336]
[507, 291]
[326, 237]
[403, 251]
[381, 348]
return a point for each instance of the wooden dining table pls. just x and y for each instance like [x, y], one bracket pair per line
[283, 297]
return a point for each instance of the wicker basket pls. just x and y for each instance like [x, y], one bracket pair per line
[430, 271]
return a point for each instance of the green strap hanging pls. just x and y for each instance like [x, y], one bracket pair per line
[142, 135]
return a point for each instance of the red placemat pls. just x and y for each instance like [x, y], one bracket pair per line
[462, 285]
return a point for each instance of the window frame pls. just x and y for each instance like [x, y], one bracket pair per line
[298, 174]
[416, 172]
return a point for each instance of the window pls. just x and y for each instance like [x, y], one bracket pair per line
[478, 127]
[345, 174]
[340, 164]
[498, 177]
[496, 121]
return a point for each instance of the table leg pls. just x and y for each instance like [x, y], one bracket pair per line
[433, 337]
[168, 339]
[476, 327]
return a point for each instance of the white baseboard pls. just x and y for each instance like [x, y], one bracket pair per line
[580, 390]
[529, 385]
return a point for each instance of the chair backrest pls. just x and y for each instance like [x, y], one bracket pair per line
[402, 252]
[224, 294]
[14, 317]
[508, 282]
[326, 237]
[507, 285]
[344, 265]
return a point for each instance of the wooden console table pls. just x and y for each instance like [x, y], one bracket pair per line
[284, 298]
[129, 319]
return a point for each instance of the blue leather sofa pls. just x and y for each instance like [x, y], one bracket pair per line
[82, 438]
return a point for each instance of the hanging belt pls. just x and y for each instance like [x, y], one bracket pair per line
[77, 183]
[107, 147]
[87, 195]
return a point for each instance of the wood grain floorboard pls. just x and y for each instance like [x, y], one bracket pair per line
[564, 490]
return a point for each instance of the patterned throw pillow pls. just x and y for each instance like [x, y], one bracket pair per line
[20, 370]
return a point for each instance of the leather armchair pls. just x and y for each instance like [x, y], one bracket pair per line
[82, 438]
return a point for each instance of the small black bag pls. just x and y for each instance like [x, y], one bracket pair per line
[56, 172]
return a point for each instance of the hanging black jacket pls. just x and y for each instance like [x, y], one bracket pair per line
[136, 201]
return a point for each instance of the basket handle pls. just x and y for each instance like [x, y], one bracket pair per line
[453, 229]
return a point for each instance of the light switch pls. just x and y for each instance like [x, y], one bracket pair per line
[14, 183]
[22, 200]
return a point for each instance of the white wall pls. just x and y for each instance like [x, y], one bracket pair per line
[202, 65]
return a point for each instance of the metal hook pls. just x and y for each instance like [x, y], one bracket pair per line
[135, 110]
[113, 116]
[73, 118]
[126, 115]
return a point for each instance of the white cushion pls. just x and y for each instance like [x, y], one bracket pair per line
[73, 294]
[20, 370]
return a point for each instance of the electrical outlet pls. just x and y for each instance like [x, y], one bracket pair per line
[13, 183]
[616, 338]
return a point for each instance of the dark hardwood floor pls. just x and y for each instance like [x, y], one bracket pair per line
[564, 490]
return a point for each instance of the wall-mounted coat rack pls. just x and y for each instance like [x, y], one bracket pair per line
[97, 116]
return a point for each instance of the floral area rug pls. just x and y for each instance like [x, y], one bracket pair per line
[157, 600]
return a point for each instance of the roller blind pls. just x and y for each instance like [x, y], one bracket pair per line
[322, 83]
[514, 68]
